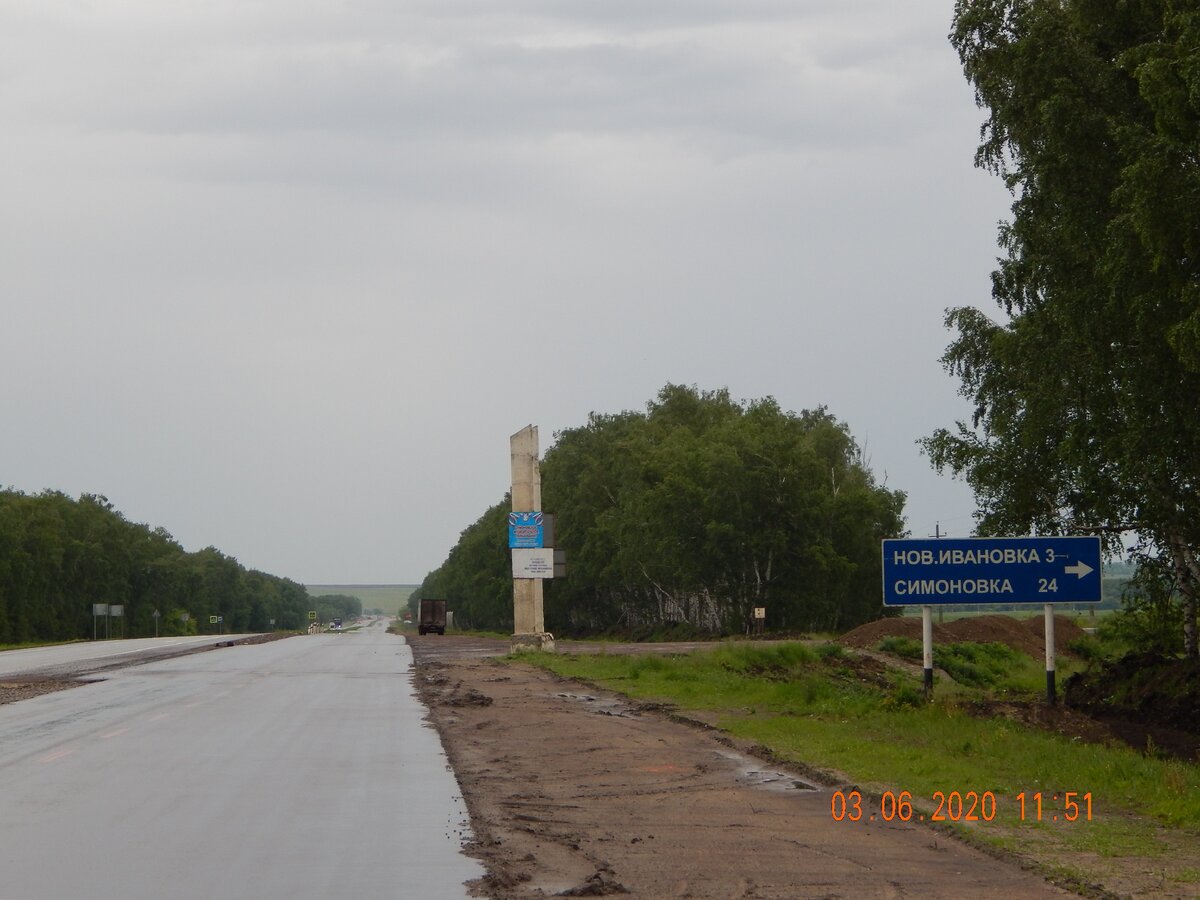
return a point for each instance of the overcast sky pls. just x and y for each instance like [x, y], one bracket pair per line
[283, 277]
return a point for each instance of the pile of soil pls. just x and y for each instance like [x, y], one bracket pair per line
[866, 637]
[1027, 636]
[1142, 688]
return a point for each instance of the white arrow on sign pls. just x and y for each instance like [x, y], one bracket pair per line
[1080, 569]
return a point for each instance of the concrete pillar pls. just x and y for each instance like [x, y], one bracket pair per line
[529, 622]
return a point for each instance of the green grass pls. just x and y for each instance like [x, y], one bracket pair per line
[806, 704]
[32, 644]
[994, 666]
[473, 632]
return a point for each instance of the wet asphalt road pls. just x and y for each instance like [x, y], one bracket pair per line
[85, 657]
[294, 769]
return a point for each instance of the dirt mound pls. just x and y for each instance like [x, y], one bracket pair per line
[1065, 630]
[1027, 636]
[869, 635]
[999, 630]
[1142, 688]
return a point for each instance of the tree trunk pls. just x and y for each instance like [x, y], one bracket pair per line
[1187, 571]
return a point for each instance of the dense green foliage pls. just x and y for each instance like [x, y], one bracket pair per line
[337, 606]
[58, 556]
[476, 578]
[694, 512]
[1085, 397]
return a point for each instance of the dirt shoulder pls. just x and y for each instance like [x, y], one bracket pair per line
[14, 687]
[578, 792]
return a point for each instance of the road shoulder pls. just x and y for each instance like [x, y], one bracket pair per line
[579, 792]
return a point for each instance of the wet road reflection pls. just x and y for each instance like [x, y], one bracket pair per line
[300, 768]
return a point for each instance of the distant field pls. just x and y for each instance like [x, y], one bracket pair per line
[388, 597]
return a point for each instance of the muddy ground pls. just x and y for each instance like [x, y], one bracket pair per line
[578, 792]
[22, 687]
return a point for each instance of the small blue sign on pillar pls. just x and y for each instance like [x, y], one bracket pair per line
[525, 529]
[991, 570]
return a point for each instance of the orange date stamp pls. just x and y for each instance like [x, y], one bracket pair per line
[960, 806]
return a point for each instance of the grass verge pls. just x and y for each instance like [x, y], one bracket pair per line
[32, 644]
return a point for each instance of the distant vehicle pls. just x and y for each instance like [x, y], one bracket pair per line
[433, 617]
[337, 624]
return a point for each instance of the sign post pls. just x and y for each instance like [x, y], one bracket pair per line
[927, 650]
[98, 609]
[1050, 689]
[526, 536]
[1044, 570]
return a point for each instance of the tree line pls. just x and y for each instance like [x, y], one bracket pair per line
[336, 606]
[1085, 390]
[59, 556]
[696, 511]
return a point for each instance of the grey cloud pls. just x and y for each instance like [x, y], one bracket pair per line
[262, 260]
[428, 84]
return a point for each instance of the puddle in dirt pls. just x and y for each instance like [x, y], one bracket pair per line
[751, 772]
[604, 706]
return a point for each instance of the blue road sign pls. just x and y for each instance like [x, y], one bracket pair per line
[526, 529]
[991, 570]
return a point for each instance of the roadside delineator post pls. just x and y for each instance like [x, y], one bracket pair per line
[927, 649]
[1051, 695]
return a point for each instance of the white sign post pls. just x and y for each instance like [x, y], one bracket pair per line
[98, 609]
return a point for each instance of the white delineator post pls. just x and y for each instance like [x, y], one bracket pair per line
[1051, 693]
[529, 623]
[927, 649]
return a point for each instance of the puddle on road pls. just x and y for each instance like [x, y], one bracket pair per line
[603, 706]
[750, 772]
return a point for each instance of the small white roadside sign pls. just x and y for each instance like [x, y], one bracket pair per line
[533, 562]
